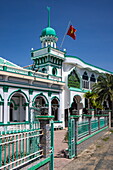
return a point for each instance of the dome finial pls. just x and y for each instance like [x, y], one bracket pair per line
[48, 8]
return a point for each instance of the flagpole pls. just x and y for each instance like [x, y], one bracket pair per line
[65, 34]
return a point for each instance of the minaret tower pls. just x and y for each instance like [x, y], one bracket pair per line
[48, 59]
[48, 36]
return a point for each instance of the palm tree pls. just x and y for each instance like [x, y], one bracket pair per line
[93, 101]
[104, 89]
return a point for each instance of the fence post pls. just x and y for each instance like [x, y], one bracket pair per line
[76, 135]
[89, 125]
[98, 123]
[109, 119]
[52, 145]
[45, 139]
[0, 152]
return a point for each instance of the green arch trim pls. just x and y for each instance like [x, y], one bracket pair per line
[78, 75]
[55, 97]
[20, 91]
[41, 95]
[15, 105]
[1, 99]
[88, 63]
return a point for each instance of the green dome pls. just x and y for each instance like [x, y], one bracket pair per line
[48, 31]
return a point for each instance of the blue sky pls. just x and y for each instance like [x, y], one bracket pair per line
[21, 23]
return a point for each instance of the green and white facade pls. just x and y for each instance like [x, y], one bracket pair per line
[54, 83]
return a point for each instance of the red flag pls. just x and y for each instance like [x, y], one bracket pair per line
[71, 32]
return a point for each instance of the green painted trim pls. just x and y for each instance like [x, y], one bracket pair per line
[48, 64]
[58, 121]
[75, 89]
[102, 115]
[2, 100]
[51, 90]
[5, 88]
[13, 102]
[46, 54]
[41, 116]
[25, 104]
[30, 73]
[77, 74]
[55, 97]
[49, 93]
[88, 63]
[40, 164]
[34, 76]
[78, 90]
[52, 146]
[74, 116]
[82, 140]
[1, 103]
[19, 90]
[4, 68]
[42, 95]
[87, 115]
[30, 91]
[16, 123]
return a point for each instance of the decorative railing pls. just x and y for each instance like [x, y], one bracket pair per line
[90, 126]
[19, 70]
[10, 128]
[18, 145]
[83, 129]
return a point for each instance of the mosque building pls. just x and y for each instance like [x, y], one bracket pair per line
[55, 83]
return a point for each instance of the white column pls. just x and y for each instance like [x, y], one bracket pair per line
[6, 108]
[61, 108]
[45, 44]
[27, 113]
[49, 112]
[21, 112]
[54, 45]
[30, 111]
[1, 113]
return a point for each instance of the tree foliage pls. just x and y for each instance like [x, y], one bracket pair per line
[104, 89]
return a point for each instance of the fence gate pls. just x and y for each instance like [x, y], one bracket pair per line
[71, 138]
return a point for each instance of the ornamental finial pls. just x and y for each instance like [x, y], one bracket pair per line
[48, 8]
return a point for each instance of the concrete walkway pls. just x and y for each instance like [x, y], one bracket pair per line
[99, 156]
[82, 161]
[59, 160]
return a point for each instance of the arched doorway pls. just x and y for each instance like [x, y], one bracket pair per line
[54, 108]
[11, 112]
[76, 105]
[17, 108]
[41, 103]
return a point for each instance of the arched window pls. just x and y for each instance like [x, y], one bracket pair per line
[44, 70]
[85, 82]
[85, 76]
[54, 71]
[73, 80]
[92, 78]
[54, 108]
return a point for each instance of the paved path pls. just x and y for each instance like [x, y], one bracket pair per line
[62, 163]
[99, 156]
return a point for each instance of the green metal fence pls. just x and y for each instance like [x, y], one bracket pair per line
[87, 127]
[83, 129]
[71, 138]
[94, 125]
[19, 145]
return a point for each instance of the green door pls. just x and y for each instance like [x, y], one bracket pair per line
[71, 138]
